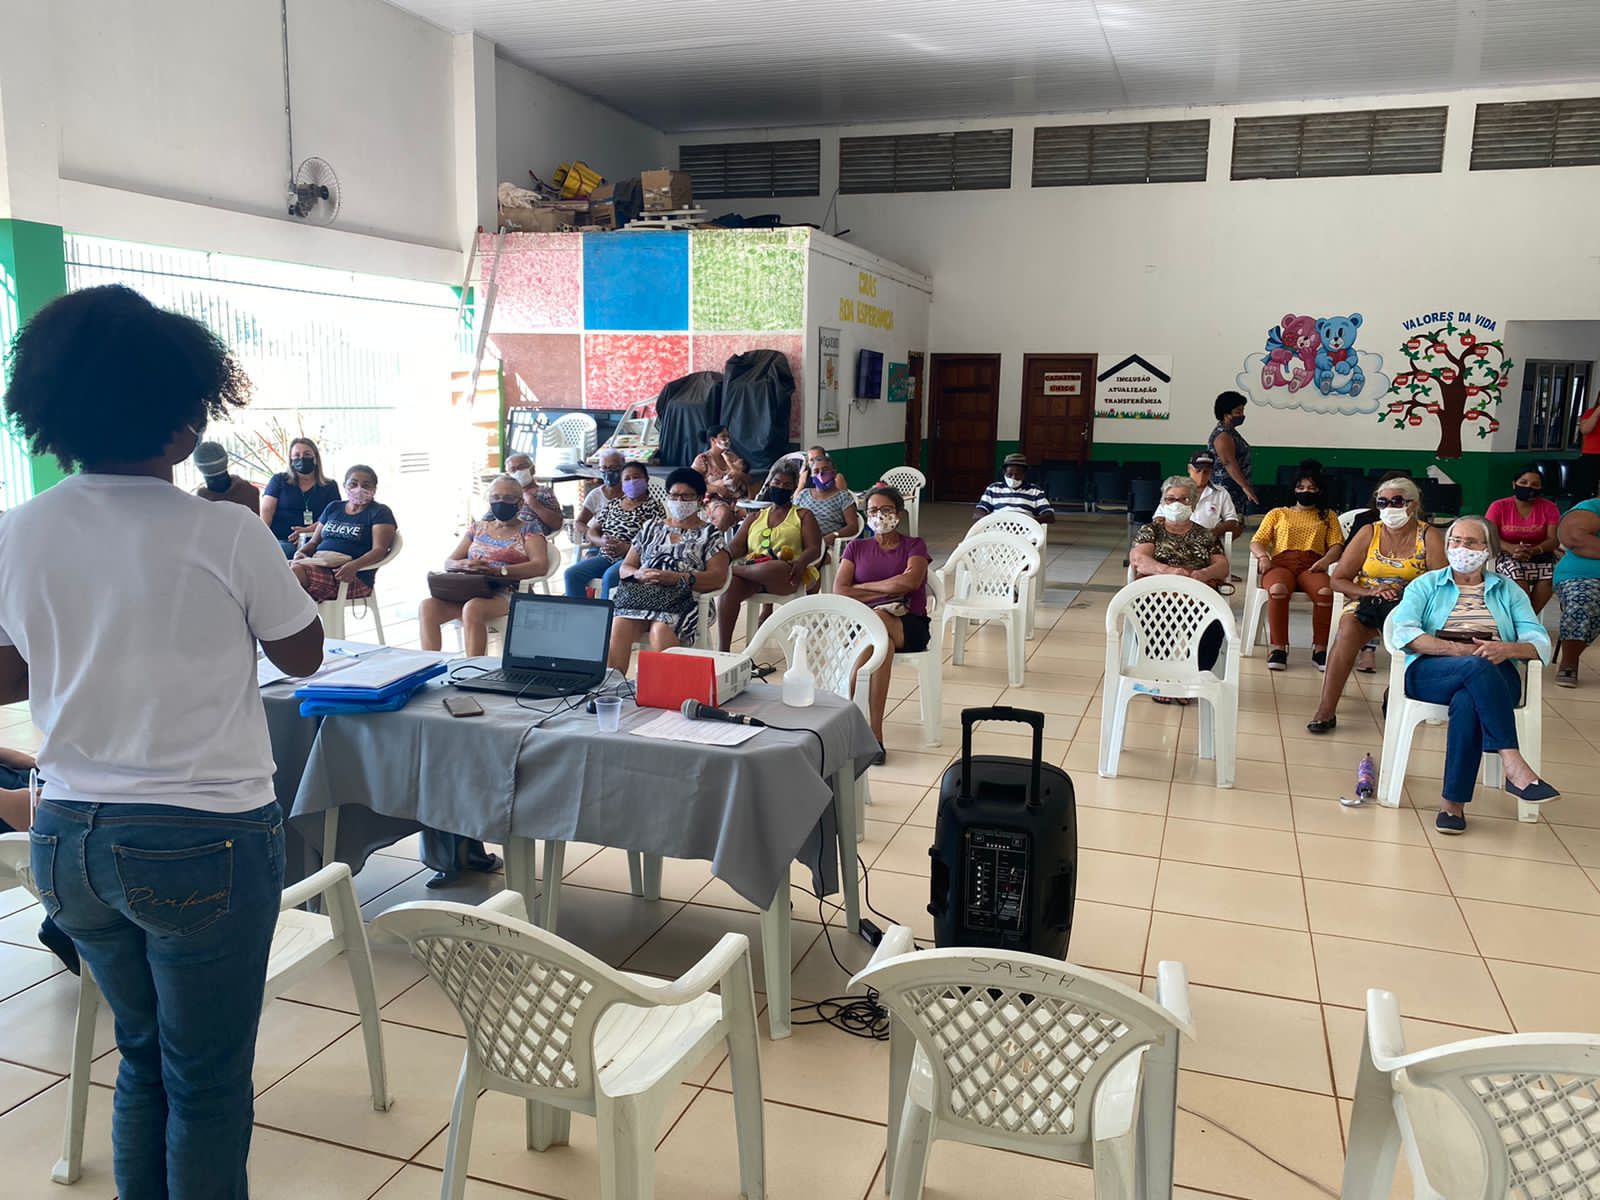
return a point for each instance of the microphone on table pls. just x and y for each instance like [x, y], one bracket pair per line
[696, 711]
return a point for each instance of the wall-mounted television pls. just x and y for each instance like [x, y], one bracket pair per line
[869, 375]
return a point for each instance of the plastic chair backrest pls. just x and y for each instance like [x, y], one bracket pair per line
[1348, 518]
[838, 631]
[1165, 616]
[990, 566]
[1013, 521]
[1144, 497]
[529, 1000]
[1018, 1044]
[16, 862]
[908, 481]
[575, 430]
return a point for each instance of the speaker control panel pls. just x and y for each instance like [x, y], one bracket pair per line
[995, 880]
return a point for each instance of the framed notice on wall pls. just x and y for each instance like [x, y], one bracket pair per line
[827, 380]
[899, 383]
[1063, 383]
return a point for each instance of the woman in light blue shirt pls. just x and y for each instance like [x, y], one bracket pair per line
[1463, 631]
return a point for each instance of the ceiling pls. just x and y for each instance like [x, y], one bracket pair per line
[682, 65]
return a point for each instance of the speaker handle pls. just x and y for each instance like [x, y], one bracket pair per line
[1019, 716]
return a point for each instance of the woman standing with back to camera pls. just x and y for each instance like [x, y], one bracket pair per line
[158, 846]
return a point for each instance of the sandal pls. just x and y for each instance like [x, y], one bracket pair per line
[1567, 678]
[1328, 726]
[1367, 661]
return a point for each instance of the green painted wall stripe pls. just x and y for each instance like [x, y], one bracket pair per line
[33, 260]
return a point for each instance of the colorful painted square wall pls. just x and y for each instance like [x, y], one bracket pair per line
[601, 320]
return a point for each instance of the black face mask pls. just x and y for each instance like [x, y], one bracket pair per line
[219, 483]
[1238, 421]
[779, 496]
[611, 478]
[504, 510]
[1522, 492]
[1308, 499]
[303, 466]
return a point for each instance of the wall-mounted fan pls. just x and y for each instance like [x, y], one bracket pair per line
[314, 194]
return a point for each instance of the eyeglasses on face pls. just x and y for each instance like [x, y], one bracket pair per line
[1391, 502]
[1466, 543]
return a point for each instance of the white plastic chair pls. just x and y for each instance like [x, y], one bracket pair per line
[1035, 534]
[909, 482]
[1255, 603]
[554, 1025]
[1347, 519]
[755, 603]
[571, 438]
[302, 942]
[1025, 1053]
[988, 578]
[1153, 633]
[1405, 714]
[1483, 1119]
[929, 666]
[332, 611]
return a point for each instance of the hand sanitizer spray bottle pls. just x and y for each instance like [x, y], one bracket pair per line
[799, 684]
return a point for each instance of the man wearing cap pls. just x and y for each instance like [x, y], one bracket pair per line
[1013, 491]
[1215, 508]
[211, 460]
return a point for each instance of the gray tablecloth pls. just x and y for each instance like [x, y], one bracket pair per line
[749, 810]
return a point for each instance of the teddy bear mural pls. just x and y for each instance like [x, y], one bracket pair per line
[1312, 364]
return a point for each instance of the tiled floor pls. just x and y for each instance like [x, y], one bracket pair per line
[1284, 906]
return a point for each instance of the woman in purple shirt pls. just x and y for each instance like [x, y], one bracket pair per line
[888, 573]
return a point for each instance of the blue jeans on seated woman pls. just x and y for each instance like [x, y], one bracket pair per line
[1482, 697]
[173, 910]
[586, 570]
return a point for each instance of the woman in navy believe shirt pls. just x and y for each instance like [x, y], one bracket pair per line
[293, 499]
[888, 573]
[359, 527]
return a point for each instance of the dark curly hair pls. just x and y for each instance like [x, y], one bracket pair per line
[1226, 402]
[688, 475]
[103, 376]
[1310, 471]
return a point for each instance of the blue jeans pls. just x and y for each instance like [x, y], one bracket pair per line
[1483, 699]
[172, 911]
[288, 547]
[586, 570]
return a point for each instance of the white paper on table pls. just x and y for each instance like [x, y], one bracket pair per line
[675, 727]
[377, 668]
[268, 673]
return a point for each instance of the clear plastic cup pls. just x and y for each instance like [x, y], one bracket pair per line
[607, 713]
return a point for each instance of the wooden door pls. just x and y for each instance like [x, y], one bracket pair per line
[1057, 406]
[965, 410]
[914, 411]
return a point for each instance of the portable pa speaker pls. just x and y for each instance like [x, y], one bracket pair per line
[1005, 847]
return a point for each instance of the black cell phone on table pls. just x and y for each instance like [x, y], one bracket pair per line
[462, 706]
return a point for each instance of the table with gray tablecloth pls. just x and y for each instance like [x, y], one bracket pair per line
[750, 810]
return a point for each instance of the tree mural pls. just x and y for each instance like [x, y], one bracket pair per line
[1453, 376]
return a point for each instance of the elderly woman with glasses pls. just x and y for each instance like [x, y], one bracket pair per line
[1377, 564]
[1463, 629]
[1174, 543]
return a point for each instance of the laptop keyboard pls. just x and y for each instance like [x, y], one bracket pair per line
[526, 679]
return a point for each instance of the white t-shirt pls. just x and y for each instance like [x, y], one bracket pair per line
[1214, 507]
[137, 608]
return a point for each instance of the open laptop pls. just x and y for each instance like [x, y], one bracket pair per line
[554, 646]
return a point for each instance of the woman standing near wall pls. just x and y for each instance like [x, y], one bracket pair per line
[1232, 452]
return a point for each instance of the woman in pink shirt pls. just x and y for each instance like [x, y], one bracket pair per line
[1527, 522]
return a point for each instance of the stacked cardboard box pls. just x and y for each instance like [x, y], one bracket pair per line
[666, 191]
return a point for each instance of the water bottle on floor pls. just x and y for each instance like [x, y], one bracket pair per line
[1366, 783]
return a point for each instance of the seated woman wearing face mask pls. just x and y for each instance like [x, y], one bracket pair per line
[540, 508]
[831, 503]
[1175, 544]
[1376, 565]
[501, 551]
[613, 531]
[669, 563]
[774, 551]
[1463, 628]
[293, 499]
[350, 540]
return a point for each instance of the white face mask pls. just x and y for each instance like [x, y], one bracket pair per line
[1394, 518]
[886, 522]
[1468, 562]
[1175, 511]
[682, 510]
[523, 476]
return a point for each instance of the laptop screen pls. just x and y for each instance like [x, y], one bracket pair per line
[556, 633]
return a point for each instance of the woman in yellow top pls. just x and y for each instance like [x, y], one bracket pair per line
[774, 551]
[1293, 548]
[1376, 565]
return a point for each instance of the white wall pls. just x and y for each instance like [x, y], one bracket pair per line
[1201, 271]
[184, 100]
[541, 124]
[837, 271]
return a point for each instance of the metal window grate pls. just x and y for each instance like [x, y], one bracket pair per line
[1545, 133]
[970, 160]
[1128, 152]
[1385, 141]
[727, 170]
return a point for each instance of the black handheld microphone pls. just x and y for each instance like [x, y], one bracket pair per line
[696, 711]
